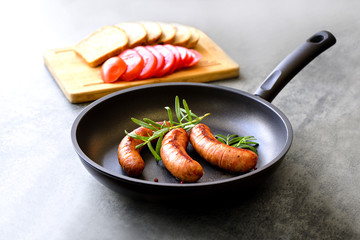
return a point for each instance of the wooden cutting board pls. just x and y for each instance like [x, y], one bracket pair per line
[81, 83]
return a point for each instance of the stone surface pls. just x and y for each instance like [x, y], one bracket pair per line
[47, 194]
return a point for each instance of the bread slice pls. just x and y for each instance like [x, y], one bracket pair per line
[102, 44]
[194, 39]
[167, 33]
[182, 35]
[153, 31]
[135, 31]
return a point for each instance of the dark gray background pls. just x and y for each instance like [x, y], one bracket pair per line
[47, 194]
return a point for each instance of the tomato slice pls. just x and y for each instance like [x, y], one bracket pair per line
[195, 57]
[112, 69]
[169, 60]
[159, 58]
[184, 55]
[134, 62]
[176, 54]
[150, 62]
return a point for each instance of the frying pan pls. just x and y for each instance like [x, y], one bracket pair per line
[99, 128]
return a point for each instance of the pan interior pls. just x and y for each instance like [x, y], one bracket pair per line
[101, 127]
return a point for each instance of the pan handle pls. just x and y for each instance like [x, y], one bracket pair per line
[293, 63]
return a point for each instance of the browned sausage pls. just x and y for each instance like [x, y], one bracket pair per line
[129, 157]
[176, 160]
[219, 154]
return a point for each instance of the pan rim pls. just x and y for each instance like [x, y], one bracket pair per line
[132, 180]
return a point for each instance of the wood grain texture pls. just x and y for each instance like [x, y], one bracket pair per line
[81, 83]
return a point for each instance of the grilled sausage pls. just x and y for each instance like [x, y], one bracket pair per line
[226, 157]
[176, 160]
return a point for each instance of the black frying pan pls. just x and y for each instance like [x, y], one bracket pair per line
[99, 128]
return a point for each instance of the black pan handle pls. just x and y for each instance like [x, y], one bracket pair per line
[293, 63]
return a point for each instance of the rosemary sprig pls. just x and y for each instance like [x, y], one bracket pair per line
[185, 119]
[246, 142]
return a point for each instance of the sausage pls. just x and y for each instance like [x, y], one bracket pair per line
[129, 157]
[176, 160]
[226, 157]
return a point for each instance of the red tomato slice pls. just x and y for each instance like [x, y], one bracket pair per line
[184, 55]
[134, 62]
[195, 57]
[112, 69]
[169, 60]
[150, 62]
[176, 55]
[159, 58]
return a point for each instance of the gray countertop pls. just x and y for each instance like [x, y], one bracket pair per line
[46, 193]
